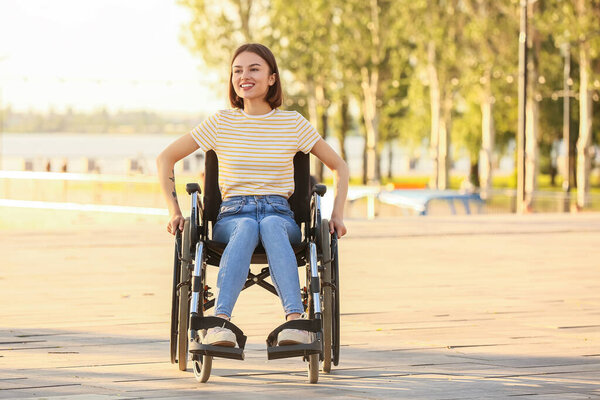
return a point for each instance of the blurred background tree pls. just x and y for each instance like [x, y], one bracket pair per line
[423, 74]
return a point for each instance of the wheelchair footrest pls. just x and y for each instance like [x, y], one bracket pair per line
[219, 351]
[294, 350]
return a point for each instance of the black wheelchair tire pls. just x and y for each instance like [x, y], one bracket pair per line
[335, 280]
[175, 298]
[184, 299]
[202, 367]
[327, 295]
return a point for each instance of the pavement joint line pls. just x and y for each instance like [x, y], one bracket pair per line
[536, 374]
[451, 347]
[85, 345]
[474, 233]
[44, 334]
[578, 326]
[29, 348]
[41, 387]
[95, 365]
[424, 327]
[151, 379]
[24, 341]
[408, 349]
[295, 371]
[399, 375]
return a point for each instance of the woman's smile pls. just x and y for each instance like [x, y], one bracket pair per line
[247, 86]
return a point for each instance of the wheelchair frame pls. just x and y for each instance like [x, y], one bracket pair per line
[191, 296]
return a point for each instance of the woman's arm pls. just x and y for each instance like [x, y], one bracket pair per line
[165, 163]
[335, 163]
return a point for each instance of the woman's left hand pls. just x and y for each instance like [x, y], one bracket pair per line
[337, 224]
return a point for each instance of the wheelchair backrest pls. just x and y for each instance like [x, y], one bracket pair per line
[299, 200]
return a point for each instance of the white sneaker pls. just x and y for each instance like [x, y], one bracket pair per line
[293, 336]
[219, 336]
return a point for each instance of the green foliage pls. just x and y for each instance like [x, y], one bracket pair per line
[326, 49]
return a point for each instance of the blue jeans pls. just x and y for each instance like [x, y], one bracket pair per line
[242, 222]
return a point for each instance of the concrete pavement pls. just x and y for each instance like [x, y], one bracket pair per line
[465, 307]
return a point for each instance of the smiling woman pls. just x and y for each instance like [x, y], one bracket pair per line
[255, 143]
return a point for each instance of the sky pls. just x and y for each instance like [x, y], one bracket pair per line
[118, 54]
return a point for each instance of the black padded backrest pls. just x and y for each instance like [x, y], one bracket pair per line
[212, 193]
[299, 200]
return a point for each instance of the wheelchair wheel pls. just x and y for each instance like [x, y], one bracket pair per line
[335, 281]
[184, 299]
[175, 298]
[202, 367]
[325, 245]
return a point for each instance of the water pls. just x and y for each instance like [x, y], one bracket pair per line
[115, 153]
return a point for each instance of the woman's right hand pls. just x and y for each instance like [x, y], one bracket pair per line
[175, 223]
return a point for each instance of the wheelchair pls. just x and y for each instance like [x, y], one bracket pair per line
[191, 296]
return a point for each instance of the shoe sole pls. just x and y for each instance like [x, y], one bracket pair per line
[223, 344]
[289, 342]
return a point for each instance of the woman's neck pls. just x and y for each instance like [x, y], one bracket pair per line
[256, 108]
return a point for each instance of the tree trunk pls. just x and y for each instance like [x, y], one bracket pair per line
[474, 172]
[531, 152]
[584, 159]
[244, 9]
[365, 172]
[434, 94]
[313, 117]
[324, 127]
[488, 134]
[532, 115]
[378, 164]
[371, 117]
[444, 147]
[390, 160]
[344, 126]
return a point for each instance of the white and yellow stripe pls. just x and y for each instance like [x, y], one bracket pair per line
[256, 152]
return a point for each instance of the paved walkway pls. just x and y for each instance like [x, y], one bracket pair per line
[432, 308]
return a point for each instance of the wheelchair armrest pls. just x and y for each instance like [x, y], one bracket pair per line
[193, 187]
[319, 189]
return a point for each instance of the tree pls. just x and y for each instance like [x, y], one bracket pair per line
[302, 41]
[575, 24]
[373, 31]
[490, 53]
[437, 33]
[218, 28]
[587, 13]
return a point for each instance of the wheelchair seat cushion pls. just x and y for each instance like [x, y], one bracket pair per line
[216, 249]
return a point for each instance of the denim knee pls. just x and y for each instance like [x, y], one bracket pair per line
[275, 226]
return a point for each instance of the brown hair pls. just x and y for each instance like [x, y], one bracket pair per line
[275, 94]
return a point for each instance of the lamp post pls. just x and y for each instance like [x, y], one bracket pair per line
[522, 109]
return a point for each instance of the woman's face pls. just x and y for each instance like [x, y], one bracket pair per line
[250, 76]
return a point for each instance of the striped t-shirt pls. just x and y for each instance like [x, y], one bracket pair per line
[256, 152]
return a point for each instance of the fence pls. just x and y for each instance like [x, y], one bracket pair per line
[138, 194]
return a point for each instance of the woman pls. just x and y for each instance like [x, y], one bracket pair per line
[255, 143]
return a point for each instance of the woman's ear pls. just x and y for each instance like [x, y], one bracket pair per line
[272, 79]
